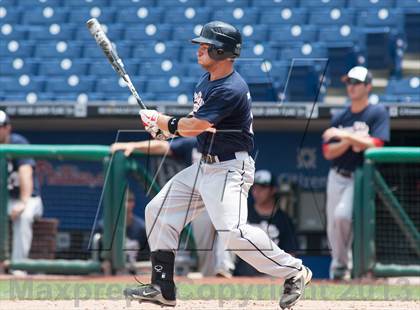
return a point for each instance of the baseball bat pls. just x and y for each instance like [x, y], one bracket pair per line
[105, 44]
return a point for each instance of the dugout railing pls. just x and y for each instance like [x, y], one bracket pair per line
[387, 213]
[110, 202]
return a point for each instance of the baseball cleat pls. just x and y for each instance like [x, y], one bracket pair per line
[148, 293]
[294, 288]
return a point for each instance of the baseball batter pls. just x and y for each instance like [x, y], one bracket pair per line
[357, 128]
[222, 121]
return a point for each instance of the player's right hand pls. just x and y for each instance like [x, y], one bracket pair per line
[128, 148]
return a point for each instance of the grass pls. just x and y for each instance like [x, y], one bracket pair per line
[54, 290]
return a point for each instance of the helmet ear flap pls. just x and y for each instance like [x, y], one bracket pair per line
[216, 53]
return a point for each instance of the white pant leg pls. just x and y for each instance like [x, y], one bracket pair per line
[212, 256]
[340, 191]
[22, 226]
[224, 190]
[173, 208]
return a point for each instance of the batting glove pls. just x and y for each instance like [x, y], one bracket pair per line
[149, 118]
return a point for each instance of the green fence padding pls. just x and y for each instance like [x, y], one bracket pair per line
[4, 223]
[394, 154]
[393, 270]
[58, 266]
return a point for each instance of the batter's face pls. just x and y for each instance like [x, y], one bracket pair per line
[358, 91]
[4, 134]
[262, 193]
[203, 57]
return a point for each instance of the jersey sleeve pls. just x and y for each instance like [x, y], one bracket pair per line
[380, 126]
[18, 139]
[219, 105]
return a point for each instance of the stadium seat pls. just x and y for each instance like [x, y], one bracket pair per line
[18, 67]
[63, 32]
[44, 16]
[256, 33]
[102, 68]
[189, 54]
[305, 51]
[94, 51]
[58, 49]
[151, 32]
[132, 3]
[165, 68]
[172, 85]
[111, 85]
[142, 15]
[370, 4]
[384, 17]
[113, 31]
[227, 3]
[237, 16]
[10, 32]
[334, 16]
[63, 67]
[194, 70]
[404, 87]
[258, 51]
[13, 49]
[157, 50]
[333, 36]
[9, 14]
[321, 4]
[291, 35]
[23, 83]
[81, 15]
[287, 16]
[184, 33]
[87, 3]
[187, 16]
[37, 3]
[274, 3]
[411, 9]
[179, 3]
[71, 84]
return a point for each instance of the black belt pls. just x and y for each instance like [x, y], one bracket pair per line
[211, 159]
[343, 172]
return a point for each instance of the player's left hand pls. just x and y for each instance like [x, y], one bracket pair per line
[149, 118]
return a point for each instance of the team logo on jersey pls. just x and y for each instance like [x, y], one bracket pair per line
[359, 128]
[198, 101]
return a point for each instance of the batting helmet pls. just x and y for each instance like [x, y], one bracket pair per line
[224, 39]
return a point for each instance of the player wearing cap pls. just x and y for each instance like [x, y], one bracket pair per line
[222, 121]
[357, 128]
[24, 201]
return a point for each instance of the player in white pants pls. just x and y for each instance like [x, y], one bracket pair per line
[222, 121]
[358, 127]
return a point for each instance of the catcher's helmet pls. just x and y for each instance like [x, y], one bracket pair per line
[224, 39]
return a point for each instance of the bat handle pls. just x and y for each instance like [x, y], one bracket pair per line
[133, 90]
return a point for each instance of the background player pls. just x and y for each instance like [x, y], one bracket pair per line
[212, 257]
[24, 198]
[219, 182]
[357, 128]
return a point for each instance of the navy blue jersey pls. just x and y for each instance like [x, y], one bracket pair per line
[226, 103]
[279, 228]
[184, 149]
[13, 167]
[372, 121]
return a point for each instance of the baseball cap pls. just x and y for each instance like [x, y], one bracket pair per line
[4, 119]
[358, 74]
[264, 177]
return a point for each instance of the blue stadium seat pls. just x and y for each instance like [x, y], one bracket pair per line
[404, 87]
[412, 26]
[174, 85]
[334, 16]
[256, 33]
[288, 16]
[132, 3]
[194, 70]
[113, 31]
[71, 84]
[81, 15]
[18, 67]
[305, 51]
[274, 3]
[141, 15]
[184, 33]
[58, 49]
[63, 67]
[52, 32]
[37, 3]
[10, 32]
[44, 16]
[187, 16]
[151, 32]
[94, 51]
[111, 85]
[333, 36]
[157, 50]
[180, 3]
[9, 14]
[291, 35]
[389, 99]
[384, 17]
[227, 3]
[262, 70]
[189, 54]
[259, 51]
[165, 68]
[103, 68]
[88, 3]
[8, 3]
[321, 4]
[369, 4]
[13, 49]
[23, 83]
[237, 16]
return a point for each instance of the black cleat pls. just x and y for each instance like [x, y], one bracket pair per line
[295, 287]
[148, 293]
